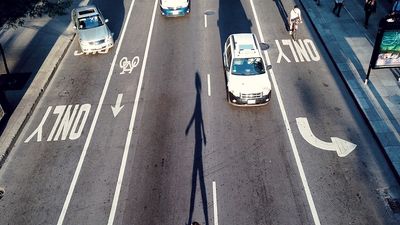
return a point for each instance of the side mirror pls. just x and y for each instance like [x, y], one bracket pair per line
[80, 26]
[106, 21]
[264, 46]
[269, 67]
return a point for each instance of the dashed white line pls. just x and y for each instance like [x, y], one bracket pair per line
[209, 84]
[205, 20]
[91, 130]
[288, 129]
[214, 186]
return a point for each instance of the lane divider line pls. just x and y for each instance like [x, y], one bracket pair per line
[205, 20]
[288, 129]
[132, 122]
[94, 122]
[214, 186]
[209, 84]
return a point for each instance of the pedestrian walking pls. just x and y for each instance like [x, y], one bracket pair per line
[369, 8]
[338, 7]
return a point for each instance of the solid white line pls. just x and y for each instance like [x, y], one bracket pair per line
[214, 185]
[209, 84]
[288, 129]
[132, 123]
[205, 20]
[91, 130]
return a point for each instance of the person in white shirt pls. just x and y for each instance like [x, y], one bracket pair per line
[295, 13]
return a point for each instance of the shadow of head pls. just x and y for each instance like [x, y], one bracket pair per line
[198, 82]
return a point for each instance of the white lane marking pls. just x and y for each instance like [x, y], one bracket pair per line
[338, 145]
[209, 84]
[118, 107]
[288, 129]
[84, 2]
[91, 130]
[215, 203]
[131, 123]
[205, 20]
[39, 129]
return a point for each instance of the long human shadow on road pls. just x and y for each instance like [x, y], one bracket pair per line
[200, 138]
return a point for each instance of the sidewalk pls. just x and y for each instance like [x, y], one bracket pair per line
[36, 48]
[350, 46]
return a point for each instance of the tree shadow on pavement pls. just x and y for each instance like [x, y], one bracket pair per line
[40, 37]
[200, 138]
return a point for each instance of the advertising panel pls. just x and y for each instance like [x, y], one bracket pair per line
[389, 50]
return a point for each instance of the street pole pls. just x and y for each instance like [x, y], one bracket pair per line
[4, 58]
[369, 71]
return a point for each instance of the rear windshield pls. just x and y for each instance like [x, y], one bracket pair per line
[90, 22]
[248, 66]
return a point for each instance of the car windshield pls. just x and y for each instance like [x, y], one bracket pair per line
[89, 22]
[248, 66]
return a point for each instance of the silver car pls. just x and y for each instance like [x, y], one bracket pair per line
[93, 33]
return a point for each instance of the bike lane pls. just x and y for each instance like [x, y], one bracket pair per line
[71, 121]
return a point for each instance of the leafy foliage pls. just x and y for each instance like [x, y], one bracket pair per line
[13, 12]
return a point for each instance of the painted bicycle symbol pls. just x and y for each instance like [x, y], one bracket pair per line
[128, 66]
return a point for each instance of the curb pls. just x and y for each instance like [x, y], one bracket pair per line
[34, 93]
[395, 171]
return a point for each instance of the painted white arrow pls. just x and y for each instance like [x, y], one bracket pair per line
[342, 147]
[117, 108]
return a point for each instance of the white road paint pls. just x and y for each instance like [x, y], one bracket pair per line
[342, 147]
[96, 116]
[209, 84]
[68, 124]
[59, 110]
[281, 53]
[132, 122]
[117, 108]
[128, 65]
[288, 129]
[104, 51]
[301, 50]
[214, 186]
[39, 130]
[205, 20]
[84, 2]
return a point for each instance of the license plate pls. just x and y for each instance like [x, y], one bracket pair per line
[251, 101]
[175, 12]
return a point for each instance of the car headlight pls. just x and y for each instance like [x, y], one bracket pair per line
[235, 92]
[109, 38]
[265, 90]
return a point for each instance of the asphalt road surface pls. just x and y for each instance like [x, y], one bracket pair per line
[176, 151]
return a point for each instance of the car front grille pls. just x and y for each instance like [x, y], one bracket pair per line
[99, 42]
[251, 95]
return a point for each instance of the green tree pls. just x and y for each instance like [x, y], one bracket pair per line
[13, 12]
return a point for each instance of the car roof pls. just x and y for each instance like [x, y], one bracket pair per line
[245, 45]
[85, 11]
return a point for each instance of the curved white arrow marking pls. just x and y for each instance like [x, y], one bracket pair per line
[117, 108]
[342, 147]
